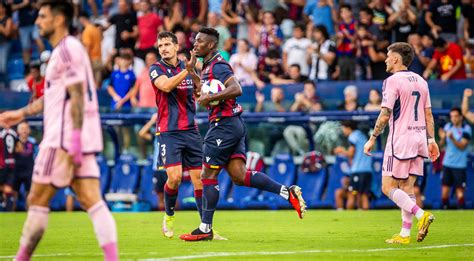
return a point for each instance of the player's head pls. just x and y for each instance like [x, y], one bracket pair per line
[399, 57]
[206, 41]
[53, 15]
[455, 115]
[167, 45]
[348, 127]
[23, 130]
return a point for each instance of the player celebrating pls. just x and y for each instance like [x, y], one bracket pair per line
[406, 106]
[224, 144]
[72, 134]
[178, 135]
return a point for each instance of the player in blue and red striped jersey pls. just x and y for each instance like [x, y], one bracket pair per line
[9, 139]
[180, 144]
[224, 144]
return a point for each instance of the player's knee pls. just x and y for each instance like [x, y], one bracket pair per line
[386, 188]
[87, 200]
[174, 181]
[237, 180]
[35, 199]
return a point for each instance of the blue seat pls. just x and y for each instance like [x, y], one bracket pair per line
[469, 194]
[186, 198]
[226, 200]
[312, 185]
[433, 188]
[104, 173]
[339, 169]
[58, 202]
[125, 176]
[146, 193]
[283, 171]
[15, 69]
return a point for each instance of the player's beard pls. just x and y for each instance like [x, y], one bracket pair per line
[46, 33]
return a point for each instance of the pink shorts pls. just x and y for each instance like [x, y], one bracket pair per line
[401, 169]
[53, 166]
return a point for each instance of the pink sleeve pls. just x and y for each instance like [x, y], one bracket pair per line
[389, 93]
[75, 67]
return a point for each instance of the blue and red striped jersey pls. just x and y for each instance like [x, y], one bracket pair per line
[8, 138]
[217, 68]
[176, 109]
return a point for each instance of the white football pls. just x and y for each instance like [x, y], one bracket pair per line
[214, 86]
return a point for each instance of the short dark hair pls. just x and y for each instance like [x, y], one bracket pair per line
[348, 7]
[210, 31]
[439, 42]
[84, 14]
[367, 10]
[300, 26]
[310, 82]
[349, 124]
[273, 53]
[126, 56]
[297, 66]
[64, 7]
[170, 35]
[405, 50]
[323, 30]
[457, 109]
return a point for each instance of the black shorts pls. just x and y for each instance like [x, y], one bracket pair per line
[159, 179]
[361, 182]
[454, 177]
[7, 176]
[180, 148]
[224, 141]
[22, 178]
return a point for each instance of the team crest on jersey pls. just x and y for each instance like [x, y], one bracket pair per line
[219, 141]
[208, 158]
[169, 71]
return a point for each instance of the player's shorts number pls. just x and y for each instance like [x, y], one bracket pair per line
[10, 142]
[163, 150]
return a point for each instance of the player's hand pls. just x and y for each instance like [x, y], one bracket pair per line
[11, 118]
[368, 146]
[191, 63]
[204, 100]
[75, 149]
[467, 92]
[433, 151]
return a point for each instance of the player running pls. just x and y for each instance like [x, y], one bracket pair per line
[406, 106]
[224, 143]
[180, 144]
[72, 134]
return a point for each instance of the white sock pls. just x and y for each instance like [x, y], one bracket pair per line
[284, 192]
[405, 232]
[206, 228]
[419, 213]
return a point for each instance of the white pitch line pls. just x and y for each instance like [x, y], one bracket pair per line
[226, 254]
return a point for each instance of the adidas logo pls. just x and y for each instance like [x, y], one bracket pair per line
[218, 142]
[208, 158]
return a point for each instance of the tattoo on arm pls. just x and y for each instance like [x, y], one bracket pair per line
[382, 121]
[34, 107]
[430, 128]
[77, 104]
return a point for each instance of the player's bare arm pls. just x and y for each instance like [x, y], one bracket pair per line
[11, 118]
[165, 84]
[433, 149]
[468, 115]
[76, 93]
[380, 125]
[232, 90]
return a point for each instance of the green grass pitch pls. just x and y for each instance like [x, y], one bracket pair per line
[253, 235]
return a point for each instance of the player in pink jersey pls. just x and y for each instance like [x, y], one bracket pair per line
[406, 107]
[67, 153]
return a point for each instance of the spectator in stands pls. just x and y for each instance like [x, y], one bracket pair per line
[294, 50]
[468, 14]
[27, 13]
[375, 100]
[402, 22]
[361, 166]
[422, 55]
[138, 65]
[6, 30]
[125, 22]
[122, 80]
[277, 103]
[91, 38]
[292, 76]
[271, 65]
[244, 63]
[321, 55]
[341, 194]
[350, 99]
[269, 37]
[469, 115]
[149, 24]
[345, 44]
[448, 57]
[321, 12]
[377, 58]
[24, 160]
[381, 11]
[456, 135]
[362, 52]
[441, 18]
[468, 57]
[35, 82]
[142, 94]
[175, 16]
[193, 10]
[366, 18]
[307, 100]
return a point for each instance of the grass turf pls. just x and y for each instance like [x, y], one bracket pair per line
[322, 234]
